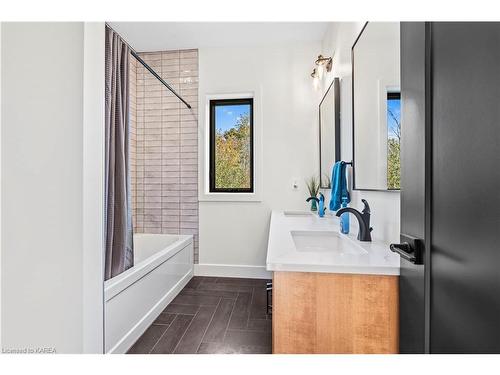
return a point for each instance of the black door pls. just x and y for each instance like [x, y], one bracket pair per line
[450, 84]
[465, 253]
[413, 119]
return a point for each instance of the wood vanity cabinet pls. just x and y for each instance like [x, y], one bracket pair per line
[335, 313]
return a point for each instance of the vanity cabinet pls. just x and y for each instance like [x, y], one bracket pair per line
[335, 313]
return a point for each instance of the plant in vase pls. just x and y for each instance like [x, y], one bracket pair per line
[313, 187]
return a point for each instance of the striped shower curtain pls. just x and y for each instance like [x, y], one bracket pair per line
[119, 230]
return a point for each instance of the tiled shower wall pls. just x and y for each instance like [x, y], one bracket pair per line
[133, 135]
[164, 142]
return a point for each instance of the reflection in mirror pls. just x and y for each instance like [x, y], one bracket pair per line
[393, 140]
[329, 133]
[377, 107]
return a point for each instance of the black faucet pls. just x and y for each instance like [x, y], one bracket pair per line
[364, 233]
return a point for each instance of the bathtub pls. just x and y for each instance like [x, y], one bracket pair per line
[163, 265]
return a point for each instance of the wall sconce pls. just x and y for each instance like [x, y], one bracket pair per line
[321, 63]
[315, 76]
[325, 62]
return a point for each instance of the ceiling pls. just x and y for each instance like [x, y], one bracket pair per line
[160, 36]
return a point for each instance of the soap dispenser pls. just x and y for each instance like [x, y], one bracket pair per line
[344, 218]
[321, 209]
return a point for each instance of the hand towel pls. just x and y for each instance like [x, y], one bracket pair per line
[339, 186]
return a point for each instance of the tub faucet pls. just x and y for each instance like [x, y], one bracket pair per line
[364, 233]
[321, 204]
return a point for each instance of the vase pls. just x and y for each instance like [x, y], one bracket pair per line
[314, 206]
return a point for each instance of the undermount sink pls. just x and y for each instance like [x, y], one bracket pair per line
[325, 241]
[297, 213]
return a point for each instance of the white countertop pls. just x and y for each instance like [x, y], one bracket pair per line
[282, 254]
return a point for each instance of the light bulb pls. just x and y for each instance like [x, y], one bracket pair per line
[316, 82]
[320, 70]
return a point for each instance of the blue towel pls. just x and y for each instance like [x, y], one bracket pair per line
[339, 186]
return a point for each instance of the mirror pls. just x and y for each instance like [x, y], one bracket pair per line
[329, 133]
[376, 100]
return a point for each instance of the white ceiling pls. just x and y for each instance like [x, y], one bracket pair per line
[160, 36]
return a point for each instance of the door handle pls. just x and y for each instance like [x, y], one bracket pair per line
[404, 250]
[410, 249]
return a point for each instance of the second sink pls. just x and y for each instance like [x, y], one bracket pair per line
[325, 241]
[297, 213]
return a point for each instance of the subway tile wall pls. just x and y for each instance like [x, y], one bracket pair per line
[164, 143]
[133, 134]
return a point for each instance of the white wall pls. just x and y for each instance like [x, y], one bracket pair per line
[384, 205]
[93, 187]
[42, 111]
[236, 233]
[1, 185]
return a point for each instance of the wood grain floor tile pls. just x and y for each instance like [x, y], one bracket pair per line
[220, 321]
[148, 339]
[169, 340]
[191, 339]
[197, 300]
[174, 308]
[212, 315]
[164, 318]
[221, 348]
[243, 337]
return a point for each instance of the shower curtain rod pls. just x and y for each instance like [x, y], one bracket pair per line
[158, 77]
[136, 56]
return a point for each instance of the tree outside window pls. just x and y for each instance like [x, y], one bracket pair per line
[231, 145]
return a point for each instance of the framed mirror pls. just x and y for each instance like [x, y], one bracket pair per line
[329, 133]
[376, 105]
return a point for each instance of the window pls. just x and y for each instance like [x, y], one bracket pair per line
[393, 140]
[231, 146]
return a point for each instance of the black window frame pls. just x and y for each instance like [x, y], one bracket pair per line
[212, 125]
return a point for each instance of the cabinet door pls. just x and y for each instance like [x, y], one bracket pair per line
[318, 313]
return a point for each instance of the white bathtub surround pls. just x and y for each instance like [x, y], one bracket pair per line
[163, 265]
[308, 243]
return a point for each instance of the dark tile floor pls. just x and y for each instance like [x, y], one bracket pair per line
[212, 315]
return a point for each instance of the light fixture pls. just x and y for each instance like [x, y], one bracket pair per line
[315, 76]
[321, 71]
[324, 62]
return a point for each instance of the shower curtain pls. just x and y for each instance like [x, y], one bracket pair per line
[118, 230]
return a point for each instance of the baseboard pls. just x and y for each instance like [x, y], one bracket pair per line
[133, 335]
[232, 270]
